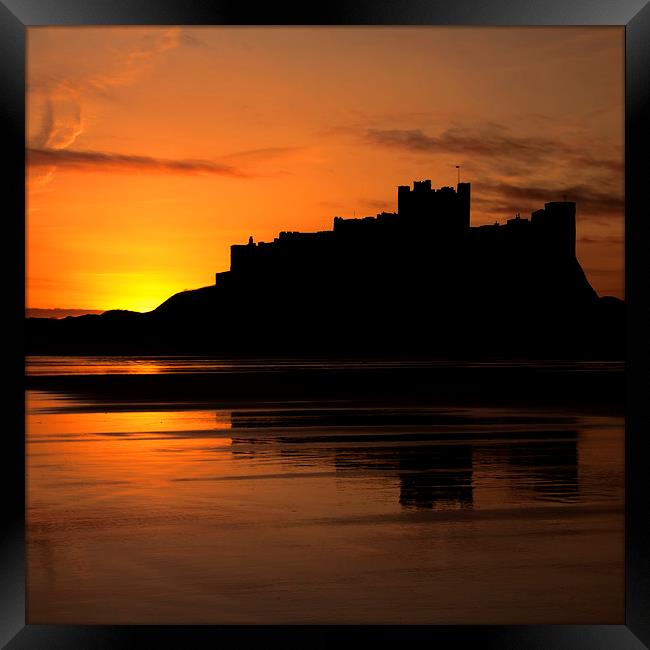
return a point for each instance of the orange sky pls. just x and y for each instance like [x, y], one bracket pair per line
[151, 150]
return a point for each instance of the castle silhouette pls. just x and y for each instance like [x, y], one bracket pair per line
[419, 281]
[428, 246]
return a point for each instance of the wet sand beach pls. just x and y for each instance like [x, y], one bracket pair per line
[159, 490]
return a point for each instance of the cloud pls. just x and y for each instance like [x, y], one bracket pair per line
[61, 123]
[516, 170]
[135, 63]
[98, 160]
[62, 109]
[191, 40]
[44, 161]
[493, 141]
[124, 69]
[376, 204]
[605, 239]
[65, 133]
[615, 166]
[268, 153]
[40, 178]
[590, 200]
[47, 125]
[333, 205]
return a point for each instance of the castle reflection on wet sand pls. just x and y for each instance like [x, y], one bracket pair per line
[328, 512]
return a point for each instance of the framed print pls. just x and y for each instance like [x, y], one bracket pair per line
[329, 324]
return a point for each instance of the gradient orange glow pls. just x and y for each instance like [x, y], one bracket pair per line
[151, 150]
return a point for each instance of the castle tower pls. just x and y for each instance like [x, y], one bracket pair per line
[403, 200]
[464, 191]
[556, 227]
[561, 219]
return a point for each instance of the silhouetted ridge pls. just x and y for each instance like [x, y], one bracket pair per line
[421, 280]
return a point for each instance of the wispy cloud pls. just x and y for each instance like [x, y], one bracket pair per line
[100, 160]
[265, 154]
[125, 69]
[61, 116]
[608, 165]
[590, 199]
[47, 125]
[493, 141]
[603, 239]
[376, 204]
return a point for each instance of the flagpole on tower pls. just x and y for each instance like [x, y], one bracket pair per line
[458, 168]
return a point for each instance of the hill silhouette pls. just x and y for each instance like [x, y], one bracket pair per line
[420, 281]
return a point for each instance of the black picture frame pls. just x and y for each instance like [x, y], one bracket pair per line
[634, 15]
